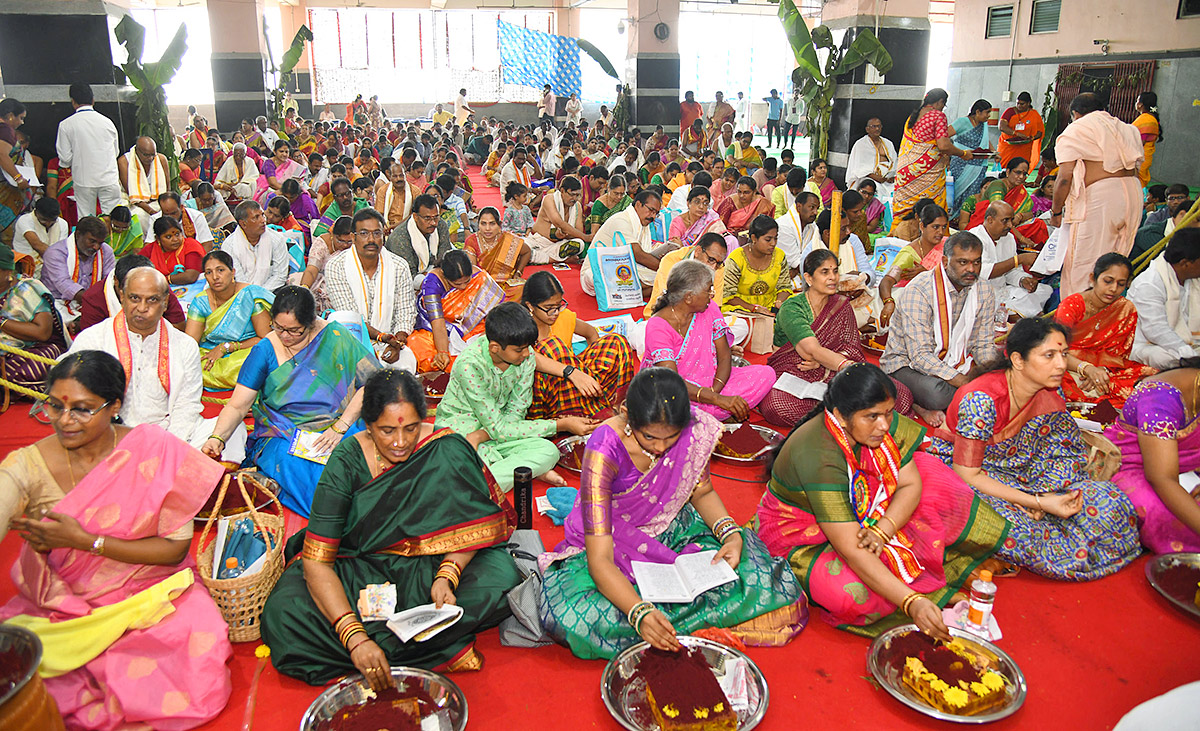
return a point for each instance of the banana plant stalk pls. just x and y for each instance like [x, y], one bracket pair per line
[150, 80]
[818, 82]
[287, 65]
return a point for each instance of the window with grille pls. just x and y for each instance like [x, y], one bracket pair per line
[999, 21]
[1045, 16]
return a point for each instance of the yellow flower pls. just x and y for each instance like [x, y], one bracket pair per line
[262, 652]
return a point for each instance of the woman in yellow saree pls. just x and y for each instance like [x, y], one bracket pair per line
[454, 299]
[499, 253]
[743, 155]
[1148, 124]
[924, 154]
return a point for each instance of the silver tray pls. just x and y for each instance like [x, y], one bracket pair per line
[738, 361]
[881, 664]
[452, 714]
[566, 444]
[770, 434]
[1155, 568]
[624, 694]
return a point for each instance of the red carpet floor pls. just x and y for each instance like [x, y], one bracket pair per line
[1090, 651]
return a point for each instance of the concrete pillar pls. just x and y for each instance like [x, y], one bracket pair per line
[239, 61]
[292, 17]
[653, 71]
[47, 46]
[904, 31]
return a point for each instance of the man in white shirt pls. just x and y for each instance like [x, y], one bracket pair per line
[518, 169]
[371, 281]
[259, 254]
[318, 175]
[88, 144]
[268, 134]
[1167, 297]
[195, 225]
[633, 224]
[742, 106]
[798, 229]
[165, 380]
[873, 156]
[793, 109]
[461, 109]
[39, 228]
[1004, 269]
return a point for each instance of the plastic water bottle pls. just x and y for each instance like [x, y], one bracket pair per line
[231, 570]
[983, 595]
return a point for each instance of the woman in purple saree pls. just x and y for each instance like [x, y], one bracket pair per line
[646, 495]
[1159, 438]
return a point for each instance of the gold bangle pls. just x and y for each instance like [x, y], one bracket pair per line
[879, 532]
[334, 427]
[1038, 498]
[908, 601]
[895, 528]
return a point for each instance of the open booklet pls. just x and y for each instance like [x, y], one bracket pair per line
[303, 447]
[691, 575]
[424, 621]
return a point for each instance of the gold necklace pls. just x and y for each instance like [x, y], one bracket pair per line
[1195, 393]
[71, 470]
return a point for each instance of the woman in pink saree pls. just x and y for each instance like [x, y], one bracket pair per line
[743, 206]
[274, 171]
[688, 334]
[697, 220]
[105, 578]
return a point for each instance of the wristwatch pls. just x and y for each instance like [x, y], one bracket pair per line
[568, 371]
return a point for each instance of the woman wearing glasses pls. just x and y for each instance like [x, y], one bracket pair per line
[567, 383]
[227, 320]
[106, 513]
[306, 375]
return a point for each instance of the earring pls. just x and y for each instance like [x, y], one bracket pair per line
[628, 430]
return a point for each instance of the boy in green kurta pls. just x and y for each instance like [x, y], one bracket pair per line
[490, 391]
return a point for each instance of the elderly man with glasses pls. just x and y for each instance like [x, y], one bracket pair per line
[372, 282]
[260, 254]
[422, 239]
[163, 363]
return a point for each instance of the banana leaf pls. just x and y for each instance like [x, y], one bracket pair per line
[822, 37]
[292, 56]
[160, 72]
[866, 48]
[800, 39]
[132, 35]
[598, 57]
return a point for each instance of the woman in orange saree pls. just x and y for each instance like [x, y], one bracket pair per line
[104, 577]
[1021, 132]
[1148, 124]
[1102, 325]
[924, 154]
[454, 299]
[1030, 232]
[499, 253]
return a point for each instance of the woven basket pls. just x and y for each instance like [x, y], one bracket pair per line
[241, 599]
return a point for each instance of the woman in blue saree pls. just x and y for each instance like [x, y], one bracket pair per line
[969, 133]
[227, 320]
[646, 495]
[307, 375]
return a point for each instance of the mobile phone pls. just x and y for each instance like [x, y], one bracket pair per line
[560, 266]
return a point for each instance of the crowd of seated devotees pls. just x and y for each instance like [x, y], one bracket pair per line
[403, 274]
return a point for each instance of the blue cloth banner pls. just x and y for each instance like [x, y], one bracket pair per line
[532, 58]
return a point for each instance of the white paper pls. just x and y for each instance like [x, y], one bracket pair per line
[801, 388]
[736, 683]
[1050, 258]
[1089, 425]
[691, 575]
[542, 503]
[1189, 481]
[424, 621]
[303, 447]
[29, 173]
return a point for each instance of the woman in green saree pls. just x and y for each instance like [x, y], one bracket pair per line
[878, 533]
[381, 514]
[124, 232]
[227, 320]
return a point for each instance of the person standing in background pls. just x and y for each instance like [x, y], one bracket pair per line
[1151, 129]
[792, 110]
[546, 106]
[88, 144]
[1021, 129]
[689, 110]
[774, 114]
[461, 109]
[743, 113]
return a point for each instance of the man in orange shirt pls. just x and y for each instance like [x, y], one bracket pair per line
[689, 110]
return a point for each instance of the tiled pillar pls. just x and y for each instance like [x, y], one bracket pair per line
[47, 46]
[239, 61]
[904, 32]
[653, 71]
